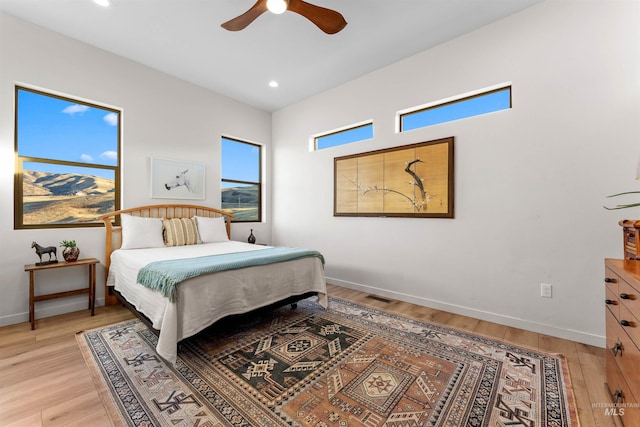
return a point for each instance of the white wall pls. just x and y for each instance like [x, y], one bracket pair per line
[162, 117]
[529, 182]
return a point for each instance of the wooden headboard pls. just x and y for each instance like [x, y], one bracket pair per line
[113, 232]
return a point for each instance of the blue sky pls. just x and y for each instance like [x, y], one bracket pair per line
[241, 162]
[463, 108]
[467, 107]
[58, 129]
[345, 137]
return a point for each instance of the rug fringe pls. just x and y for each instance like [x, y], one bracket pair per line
[569, 390]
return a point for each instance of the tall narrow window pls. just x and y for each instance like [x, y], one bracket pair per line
[344, 136]
[461, 108]
[67, 161]
[241, 180]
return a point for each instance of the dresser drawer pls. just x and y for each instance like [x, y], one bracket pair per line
[611, 279]
[631, 326]
[620, 395]
[624, 351]
[629, 297]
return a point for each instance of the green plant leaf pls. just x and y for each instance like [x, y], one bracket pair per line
[632, 205]
[626, 192]
[629, 205]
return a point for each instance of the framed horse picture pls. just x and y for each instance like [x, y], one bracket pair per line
[171, 179]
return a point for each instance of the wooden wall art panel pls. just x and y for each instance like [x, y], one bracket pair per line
[409, 181]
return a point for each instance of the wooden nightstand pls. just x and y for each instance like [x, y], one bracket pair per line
[91, 290]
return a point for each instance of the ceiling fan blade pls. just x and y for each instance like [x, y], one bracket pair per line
[240, 22]
[327, 20]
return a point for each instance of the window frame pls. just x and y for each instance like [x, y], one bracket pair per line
[236, 181]
[18, 198]
[400, 115]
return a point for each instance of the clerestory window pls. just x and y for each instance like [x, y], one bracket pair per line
[343, 136]
[456, 109]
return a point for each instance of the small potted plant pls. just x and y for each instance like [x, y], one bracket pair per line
[70, 252]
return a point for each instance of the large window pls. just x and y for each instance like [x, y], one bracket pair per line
[343, 136]
[241, 180]
[467, 106]
[67, 161]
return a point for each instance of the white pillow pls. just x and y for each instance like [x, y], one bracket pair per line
[211, 229]
[138, 232]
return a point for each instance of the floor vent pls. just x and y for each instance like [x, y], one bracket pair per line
[377, 298]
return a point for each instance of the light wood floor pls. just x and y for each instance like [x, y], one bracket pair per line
[44, 380]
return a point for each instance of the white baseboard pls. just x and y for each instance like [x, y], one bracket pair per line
[569, 334]
[48, 312]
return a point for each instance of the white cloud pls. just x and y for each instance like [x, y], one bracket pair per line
[75, 108]
[86, 158]
[109, 155]
[111, 118]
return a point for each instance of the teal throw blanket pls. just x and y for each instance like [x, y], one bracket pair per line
[164, 276]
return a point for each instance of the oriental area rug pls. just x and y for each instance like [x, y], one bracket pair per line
[349, 365]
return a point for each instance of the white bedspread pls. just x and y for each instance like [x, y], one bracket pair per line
[203, 300]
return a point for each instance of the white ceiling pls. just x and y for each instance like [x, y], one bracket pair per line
[183, 38]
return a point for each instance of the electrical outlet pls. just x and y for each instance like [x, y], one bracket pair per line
[545, 290]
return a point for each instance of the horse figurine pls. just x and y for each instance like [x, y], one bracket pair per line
[45, 250]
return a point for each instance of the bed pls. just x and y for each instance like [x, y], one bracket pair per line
[146, 261]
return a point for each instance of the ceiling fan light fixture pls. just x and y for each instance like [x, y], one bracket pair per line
[328, 20]
[277, 6]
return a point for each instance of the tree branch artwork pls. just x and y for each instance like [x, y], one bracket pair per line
[375, 184]
[418, 204]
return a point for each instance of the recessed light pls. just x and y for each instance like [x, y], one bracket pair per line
[273, 83]
[103, 3]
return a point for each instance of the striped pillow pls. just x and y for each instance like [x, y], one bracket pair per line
[180, 231]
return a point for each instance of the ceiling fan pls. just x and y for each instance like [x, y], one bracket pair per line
[327, 20]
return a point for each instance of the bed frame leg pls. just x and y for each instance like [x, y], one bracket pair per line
[294, 305]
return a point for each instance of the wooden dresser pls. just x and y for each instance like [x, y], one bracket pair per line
[622, 280]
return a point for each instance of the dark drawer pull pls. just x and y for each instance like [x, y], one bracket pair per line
[617, 348]
[609, 302]
[609, 280]
[625, 323]
[625, 296]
